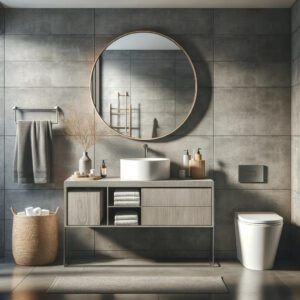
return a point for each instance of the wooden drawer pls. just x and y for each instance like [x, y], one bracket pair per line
[176, 197]
[85, 208]
[176, 216]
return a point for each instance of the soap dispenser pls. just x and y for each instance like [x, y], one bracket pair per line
[197, 166]
[198, 156]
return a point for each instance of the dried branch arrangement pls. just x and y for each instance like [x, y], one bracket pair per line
[82, 129]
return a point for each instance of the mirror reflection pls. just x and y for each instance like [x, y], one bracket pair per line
[143, 85]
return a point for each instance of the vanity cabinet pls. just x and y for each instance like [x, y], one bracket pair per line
[165, 203]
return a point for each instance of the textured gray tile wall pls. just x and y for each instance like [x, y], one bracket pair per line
[242, 114]
[295, 126]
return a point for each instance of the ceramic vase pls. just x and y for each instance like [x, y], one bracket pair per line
[85, 164]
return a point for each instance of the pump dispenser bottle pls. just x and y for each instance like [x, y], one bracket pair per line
[197, 166]
[185, 162]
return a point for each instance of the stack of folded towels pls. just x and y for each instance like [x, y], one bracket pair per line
[126, 218]
[126, 197]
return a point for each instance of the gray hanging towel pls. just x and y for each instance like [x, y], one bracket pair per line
[32, 163]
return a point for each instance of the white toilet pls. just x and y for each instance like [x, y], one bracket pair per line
[257, 238]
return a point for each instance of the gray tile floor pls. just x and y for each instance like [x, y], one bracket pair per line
[24, 283]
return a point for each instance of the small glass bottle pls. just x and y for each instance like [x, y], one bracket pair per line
[103, 169]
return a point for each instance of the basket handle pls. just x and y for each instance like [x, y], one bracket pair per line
[56, 211]
[13, 210]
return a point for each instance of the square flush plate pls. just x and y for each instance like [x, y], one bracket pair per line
[252, 174]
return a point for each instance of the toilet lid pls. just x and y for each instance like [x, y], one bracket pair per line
[260, 218]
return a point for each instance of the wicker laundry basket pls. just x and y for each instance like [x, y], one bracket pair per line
[34, 239]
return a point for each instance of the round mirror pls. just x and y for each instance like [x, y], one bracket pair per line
[144, 85]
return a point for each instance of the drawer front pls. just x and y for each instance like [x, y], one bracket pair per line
[85, 208]
[176, 197]
[176, 216]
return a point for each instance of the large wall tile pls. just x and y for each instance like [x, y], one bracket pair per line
[68, 99]
[171, 21]
[252, 111]
[200, 122]
[252, 21]
[245, 74]
[49, 21]
[47, 74]
[296, 44]
[49, 48]
[141, 241]
[66, 154]
[252, 48]
[295, 15]
[295, 109]
[80, 239]
[113, 148]
[270, 151]
[230, 201]
[199, 48]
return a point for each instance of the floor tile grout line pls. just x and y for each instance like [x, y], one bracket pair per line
[19, 283]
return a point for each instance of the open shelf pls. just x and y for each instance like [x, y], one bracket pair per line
[111, 194]
[113, 210]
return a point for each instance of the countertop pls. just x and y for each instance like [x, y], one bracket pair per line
[117, 182]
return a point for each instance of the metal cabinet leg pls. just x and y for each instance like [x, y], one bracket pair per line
[65, 250]
[213, 247]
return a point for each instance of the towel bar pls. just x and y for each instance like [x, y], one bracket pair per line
[54, 109]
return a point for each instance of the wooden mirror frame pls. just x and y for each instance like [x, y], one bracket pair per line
[195, 82]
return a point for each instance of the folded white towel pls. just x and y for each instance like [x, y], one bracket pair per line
[21, 213]
[126, 198]
[126, 216]
[126, 222]
[121, 192]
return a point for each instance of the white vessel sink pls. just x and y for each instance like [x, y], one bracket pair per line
[145, 168]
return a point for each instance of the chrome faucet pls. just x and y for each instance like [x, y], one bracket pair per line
[145, 146]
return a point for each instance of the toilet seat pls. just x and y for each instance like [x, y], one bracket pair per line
[269, 218]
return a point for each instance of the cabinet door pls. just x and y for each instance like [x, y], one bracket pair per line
[85, 208]
[176, 197]
[176, 216]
